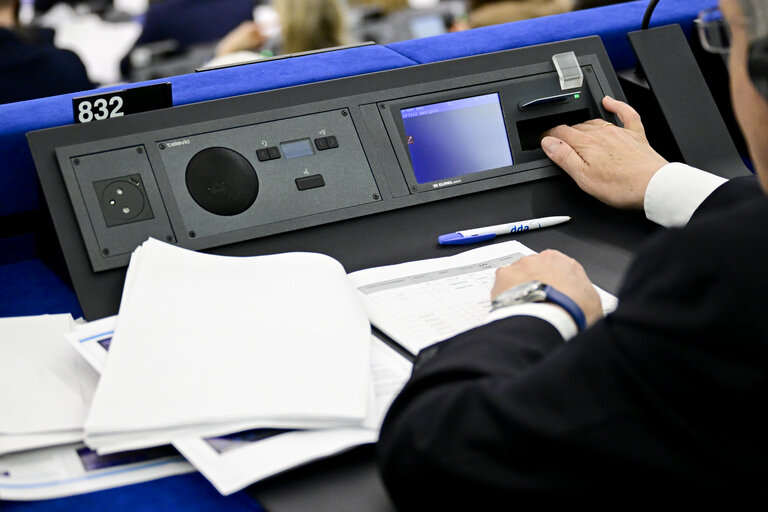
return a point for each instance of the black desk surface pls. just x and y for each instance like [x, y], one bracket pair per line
[603, 239]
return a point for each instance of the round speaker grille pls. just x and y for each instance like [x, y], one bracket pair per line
[222, 181]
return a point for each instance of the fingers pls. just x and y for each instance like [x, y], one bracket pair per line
[627, 115]
[562, 154]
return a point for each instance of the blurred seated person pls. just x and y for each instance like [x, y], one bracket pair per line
[303, 25]
[189, 22]
[483, 13]
[31, 68]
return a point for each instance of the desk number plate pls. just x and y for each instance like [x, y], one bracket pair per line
[121, 103]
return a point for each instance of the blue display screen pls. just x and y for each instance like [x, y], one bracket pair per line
[297, 148]
[456, 137]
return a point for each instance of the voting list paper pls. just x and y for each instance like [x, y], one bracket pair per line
[204, 340]
[422, 302]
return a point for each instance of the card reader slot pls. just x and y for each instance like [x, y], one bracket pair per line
[530, 130]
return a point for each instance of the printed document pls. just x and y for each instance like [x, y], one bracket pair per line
[419, 303]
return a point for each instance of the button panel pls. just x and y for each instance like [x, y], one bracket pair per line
[323, 143]
[270, 153]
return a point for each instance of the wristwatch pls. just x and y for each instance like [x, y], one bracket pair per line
[536, 291]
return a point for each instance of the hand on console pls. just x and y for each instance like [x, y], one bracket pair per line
[611, 163]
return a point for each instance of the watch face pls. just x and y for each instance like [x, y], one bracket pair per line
[523, 293]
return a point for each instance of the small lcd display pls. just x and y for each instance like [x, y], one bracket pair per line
[456, 137]
[297, 148]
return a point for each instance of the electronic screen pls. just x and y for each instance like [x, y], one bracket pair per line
[456, 137]
[297, 148]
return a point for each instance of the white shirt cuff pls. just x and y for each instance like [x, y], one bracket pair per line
[675, 191]
[555, 315]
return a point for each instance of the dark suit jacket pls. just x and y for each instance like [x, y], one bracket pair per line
[668, 392]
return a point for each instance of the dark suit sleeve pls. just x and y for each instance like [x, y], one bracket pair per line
[730, 193]
[661, 393]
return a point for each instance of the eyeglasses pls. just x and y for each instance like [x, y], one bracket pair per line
[714, 33]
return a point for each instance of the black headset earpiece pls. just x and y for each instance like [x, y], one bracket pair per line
[757, 65]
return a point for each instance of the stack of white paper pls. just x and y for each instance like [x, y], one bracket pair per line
[46, 386]
[236, 460]
[207, 345]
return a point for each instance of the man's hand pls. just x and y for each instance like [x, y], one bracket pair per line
[557, 270]
[610, 163]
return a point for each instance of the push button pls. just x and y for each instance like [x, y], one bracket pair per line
[263, 154]
[308, 182]
[270, 153]
[321, 143]
[332, 142]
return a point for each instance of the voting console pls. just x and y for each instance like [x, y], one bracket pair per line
[226, 173]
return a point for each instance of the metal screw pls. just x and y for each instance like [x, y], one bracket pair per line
[588, 69]
[139, 150]
[161, 146]
[192, 234]
[105, 252]
[344, 113]
[382, 106]
[413, 188]
[76, 161]
[375, 196]
[169, 238]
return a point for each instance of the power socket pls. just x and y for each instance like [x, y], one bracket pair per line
[123, 200]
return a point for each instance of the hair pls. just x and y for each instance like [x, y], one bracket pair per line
[756, 11]
[311, 24]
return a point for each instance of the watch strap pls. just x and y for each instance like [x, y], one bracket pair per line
[555, 296]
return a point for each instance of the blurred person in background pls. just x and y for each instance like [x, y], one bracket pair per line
[184, 23]
[30, 68]
[304, 25]
[483, 13]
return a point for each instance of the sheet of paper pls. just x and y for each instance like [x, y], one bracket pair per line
[205, 340]
[235, 461]
[11, 443]
[422, 302]
[74, 469]
[91, 341]
[46, 386]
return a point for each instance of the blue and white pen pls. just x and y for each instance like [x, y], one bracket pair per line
[470, 236]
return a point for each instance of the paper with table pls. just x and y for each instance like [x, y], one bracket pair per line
[419, 303]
